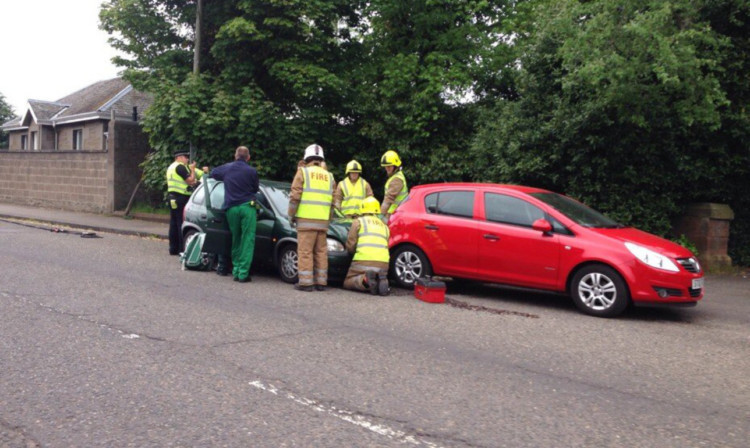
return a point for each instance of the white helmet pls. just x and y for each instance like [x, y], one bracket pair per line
[313, 151]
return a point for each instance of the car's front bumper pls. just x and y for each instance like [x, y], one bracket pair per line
[649, 286]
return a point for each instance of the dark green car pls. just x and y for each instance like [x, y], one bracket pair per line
[275, 238]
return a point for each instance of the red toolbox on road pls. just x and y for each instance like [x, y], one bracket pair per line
[429, 290]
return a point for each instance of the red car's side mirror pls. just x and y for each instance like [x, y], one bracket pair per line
[542, 225]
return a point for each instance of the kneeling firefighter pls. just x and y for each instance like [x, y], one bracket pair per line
[368, 241]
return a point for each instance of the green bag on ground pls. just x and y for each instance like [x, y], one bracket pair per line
[194, 258]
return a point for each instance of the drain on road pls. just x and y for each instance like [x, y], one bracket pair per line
[466, 306]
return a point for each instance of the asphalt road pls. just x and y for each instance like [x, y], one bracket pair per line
[105, 342]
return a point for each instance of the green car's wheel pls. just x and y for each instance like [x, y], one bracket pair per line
[287, 263]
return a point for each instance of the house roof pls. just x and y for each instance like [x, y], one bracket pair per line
[13, 122]
[41, 111]
[93, 102]
[45, 110]
[93, 98]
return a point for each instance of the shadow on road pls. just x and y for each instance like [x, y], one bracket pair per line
[505, 296]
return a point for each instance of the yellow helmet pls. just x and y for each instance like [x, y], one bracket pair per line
[353, 167]
[369, 205]
[390, 158]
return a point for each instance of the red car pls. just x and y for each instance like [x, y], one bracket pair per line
[534, 238]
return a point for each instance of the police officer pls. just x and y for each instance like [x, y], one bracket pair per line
[352, 190]
[395, 187]
[181, 178]
[310, 207]
[368, 241]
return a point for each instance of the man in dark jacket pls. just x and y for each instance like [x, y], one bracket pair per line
[240, 187]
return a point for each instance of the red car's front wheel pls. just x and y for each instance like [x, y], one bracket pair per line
[600, 291]
[408, 263]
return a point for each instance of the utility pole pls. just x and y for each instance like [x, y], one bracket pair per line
[197, 50]
[197, 55]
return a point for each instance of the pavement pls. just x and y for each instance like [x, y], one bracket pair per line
[155, 226]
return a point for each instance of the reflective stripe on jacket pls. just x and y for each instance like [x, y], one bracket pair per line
[175, 182]
[354, 194]
[372, 240]
[401, 194]
[317, 194]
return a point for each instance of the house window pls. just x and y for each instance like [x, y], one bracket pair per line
[24, 142]
[34, 141]
[77, 138]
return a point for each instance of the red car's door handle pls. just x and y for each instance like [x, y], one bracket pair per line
[431, 227]
[491, 237]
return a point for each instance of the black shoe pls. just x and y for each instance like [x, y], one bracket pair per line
[306, 288]
[383, 289]
[222, 273]
[371, 280]
[173, 253]
[320, 288]
[247, 279]
[236, 279]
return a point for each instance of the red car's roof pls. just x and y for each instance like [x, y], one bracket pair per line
[474, 185]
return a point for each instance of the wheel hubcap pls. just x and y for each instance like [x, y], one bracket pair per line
[597, 291]
[289, 264]
[408, 267]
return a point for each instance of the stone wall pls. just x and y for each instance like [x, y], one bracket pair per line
[98, 181]
[707, 226]
[66, 180]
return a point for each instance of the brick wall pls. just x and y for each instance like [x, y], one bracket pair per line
[67, 180]
[98, 181]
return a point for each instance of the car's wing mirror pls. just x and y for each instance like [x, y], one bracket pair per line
[542, 225]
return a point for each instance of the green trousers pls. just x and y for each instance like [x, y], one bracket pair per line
[242, 220]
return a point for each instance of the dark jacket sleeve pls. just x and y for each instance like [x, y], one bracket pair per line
[218, 172]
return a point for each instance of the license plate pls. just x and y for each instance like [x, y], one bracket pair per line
[698, 283]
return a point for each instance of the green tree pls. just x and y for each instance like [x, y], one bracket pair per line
[729, 144]
[273, 77]
[357, 77]
[614, 104]
[6, 113]
[430, 62]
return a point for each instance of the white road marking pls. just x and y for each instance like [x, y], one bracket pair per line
[347, 416]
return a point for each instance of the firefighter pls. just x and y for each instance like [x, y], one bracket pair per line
[181, 178]
[368, 241]
[352, 190]
[395, 187]
[310, 208]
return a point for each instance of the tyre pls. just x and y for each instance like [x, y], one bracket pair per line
[600, 291]
[287, 263]
[190, 233]
[408, 263]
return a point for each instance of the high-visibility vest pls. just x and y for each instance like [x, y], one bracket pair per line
[175, 182]
[372, 240]
[401, 194]
[317, 194]
[353, 196]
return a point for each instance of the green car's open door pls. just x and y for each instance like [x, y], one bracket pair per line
[218, 237]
